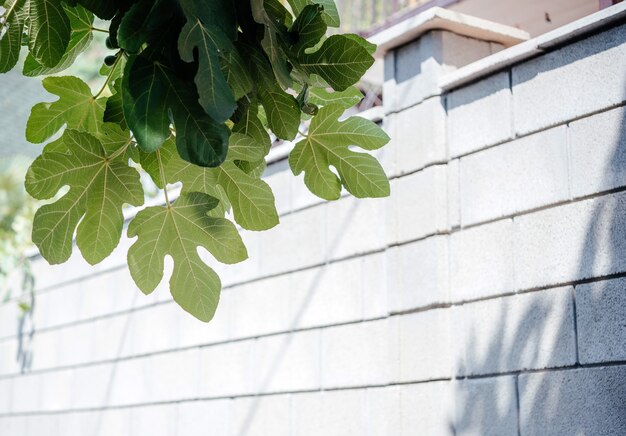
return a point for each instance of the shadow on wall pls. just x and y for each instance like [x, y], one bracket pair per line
[580, 327]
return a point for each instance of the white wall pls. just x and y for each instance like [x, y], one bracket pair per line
[486, 296]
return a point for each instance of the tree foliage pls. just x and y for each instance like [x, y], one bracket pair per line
[193, 91]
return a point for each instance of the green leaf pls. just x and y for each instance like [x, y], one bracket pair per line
[309, 28]
[81, 22]
[331, 15]
[346, 98]
[327, 143]
[274, 17]
[49, 32]
[144, 103]
[11, 33]
[100, 183]
[178, 230]
[283, 112]
[251, 198]
[153, 162]
[248, 123]
[105, 10]
[216, 97]
[236, 73]
[76, 108]
[141, 22]
[114, 110]
[341, 61]
[151, 92]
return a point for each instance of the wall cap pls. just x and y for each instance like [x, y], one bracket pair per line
[541, 44]
[437, 18]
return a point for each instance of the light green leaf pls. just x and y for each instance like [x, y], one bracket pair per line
[178, 230]
[49, 31]
[76, 108]
[283, 112]
[251, 198]
[11, 33]
[346, 98]
[341, 61]
[327, 143]
[81, 22]
[154, 161]
[100, 183]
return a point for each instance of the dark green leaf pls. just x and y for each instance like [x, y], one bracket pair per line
[49, 31]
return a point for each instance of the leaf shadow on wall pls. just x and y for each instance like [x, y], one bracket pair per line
[508, 378]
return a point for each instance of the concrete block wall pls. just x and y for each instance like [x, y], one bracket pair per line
[486, 296]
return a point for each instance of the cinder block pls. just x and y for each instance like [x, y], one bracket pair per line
[13, 426]
[454, 194]
[331, 413]
[418, 274]
[98, 423]
[93, 386]
[194, 418]
[586, 401]
[301, 197]
[427, 409]
[126, 380]
[325, 295]
[578, 79]
[480, 115]
[420, 204]
[481, 261]
[382, 411]
[389, 81]
[375, 269]
[355, 226]
[10, 357]
[420, 64]
[226, 369]
[172, 376]
[386, 155]
[261, 307]
[261, 416]
[598, 152]
[418, 135]
[157, 420]
[425, 347]
[521, 332]
[359, 354]
[54, 394]
[7, 393]
[278, 176]
[155, 328]
[42, 424]
[513, 177]
[288, 362]
[571, 242]
[299, 241]
[600, 314]
[191, 331]
[251, 267]
[486, 406]
[10, 315]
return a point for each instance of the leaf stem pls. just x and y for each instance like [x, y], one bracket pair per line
[302, 133]
[108, 79]
[167, 200]
[95, 29]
